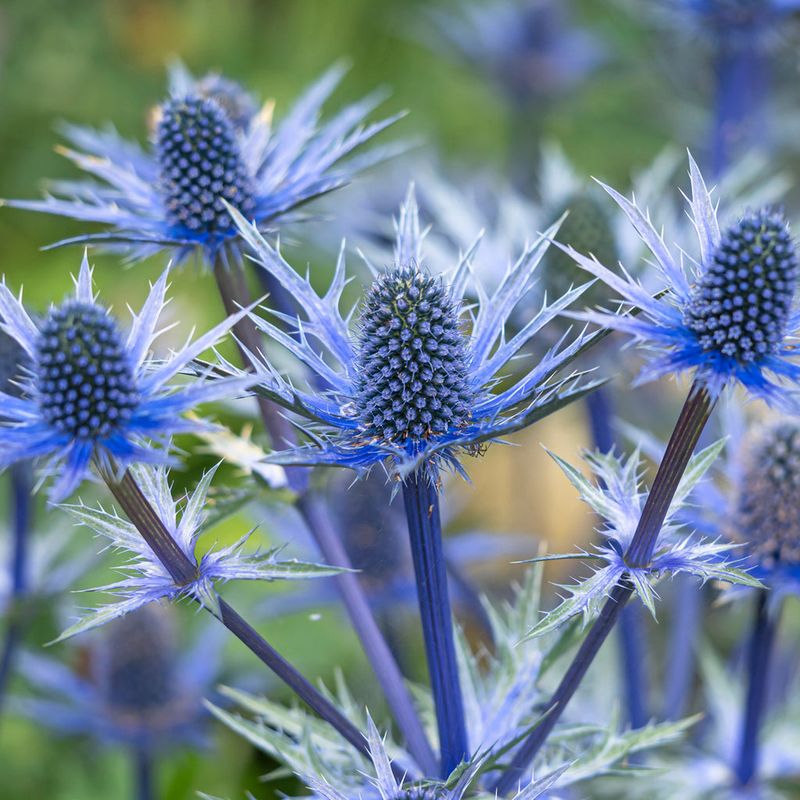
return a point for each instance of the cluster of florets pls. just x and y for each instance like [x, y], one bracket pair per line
[588, 228]
[84, 385]
[201, 165]
[136, 665]
[767, 513]
[741, 305]
[411, 370]
[237, 103]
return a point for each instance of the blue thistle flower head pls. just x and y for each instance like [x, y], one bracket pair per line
[147, 579]
[210, 145]
[134, 686]
[414, 385]
[529, 47]
[90, 391]
[729, 316]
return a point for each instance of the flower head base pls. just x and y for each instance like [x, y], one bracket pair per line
[200, 165]
[741, 305]
[411, 361]
[84, 380]
[766, 511]
[92, 393]
[727, 314]
[418, 794]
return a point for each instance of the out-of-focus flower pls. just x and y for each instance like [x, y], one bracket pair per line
[529, 48]
[208, 147]
[411, 388]
[91, 392]
[130, 685]
[729, 316]
[147, 577]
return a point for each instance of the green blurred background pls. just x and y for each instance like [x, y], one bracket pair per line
[90, 62]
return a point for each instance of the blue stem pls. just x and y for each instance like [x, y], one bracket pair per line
[693, 417]
[421, 499]
[144, 779]
[741, 85]
[631, 638]
[20, 503]
[688, 603]
[762, 641]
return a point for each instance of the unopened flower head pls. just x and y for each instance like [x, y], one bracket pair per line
[766, 512]
[210, 145]
[92, 392]
[414, 387]
[729, 315]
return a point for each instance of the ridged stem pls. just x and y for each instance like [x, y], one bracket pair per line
[21, 505]
[143, 774]
[233, 291]
[130, 498]
[693, 417]
[759, 658]
[600, 415]
[421, 498]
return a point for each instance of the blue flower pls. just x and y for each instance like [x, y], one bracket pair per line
[137, 689]
[93, 393]
[411, 387]
[209, 146]
[753, 503]
[147, 579]
[729, 316]
[618, 501]
[528, 47]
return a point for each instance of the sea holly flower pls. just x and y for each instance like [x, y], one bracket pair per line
[411, 388]
[136, 689]
[502, 694]
[208, 147]
[528, 47]
[729, 315]
[93, 393]
[147, 579]
[616, 497]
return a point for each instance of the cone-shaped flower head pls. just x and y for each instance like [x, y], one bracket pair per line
[412, 381]
[200, 165]
[413, 386]
[210, 144]
[767, 505]
[91, 391]
[730, 315]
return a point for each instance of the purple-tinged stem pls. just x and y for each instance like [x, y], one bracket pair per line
[21, 504]
[144, 517]
[421, 498]
[233, 291]
[631, 631]
[688, 605]
[143, 774]
[759, 659]
[693, 417]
